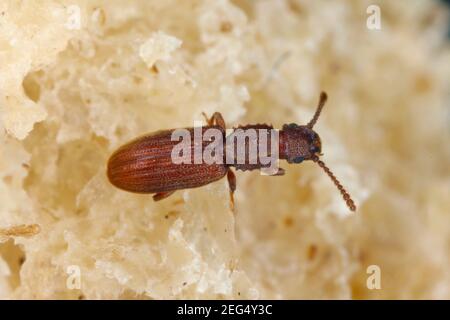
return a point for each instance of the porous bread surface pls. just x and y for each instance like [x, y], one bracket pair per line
[80, 78]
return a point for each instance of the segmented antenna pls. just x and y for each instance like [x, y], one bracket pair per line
[348, 200]
[323, 98]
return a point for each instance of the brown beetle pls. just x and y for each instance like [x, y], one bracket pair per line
[145, 165]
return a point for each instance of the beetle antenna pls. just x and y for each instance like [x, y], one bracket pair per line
[323, 98]
[348, 200]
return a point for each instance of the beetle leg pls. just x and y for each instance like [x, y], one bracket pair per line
[216, 119]
[232, 185]
[207, 119]
[280, 172]
[162, 195]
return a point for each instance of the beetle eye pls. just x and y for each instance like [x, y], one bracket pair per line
[290, 126]
[315, 149]
[298, 159]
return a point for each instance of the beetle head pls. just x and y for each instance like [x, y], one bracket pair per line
[300, 143]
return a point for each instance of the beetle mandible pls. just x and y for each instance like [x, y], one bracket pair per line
[145, 165]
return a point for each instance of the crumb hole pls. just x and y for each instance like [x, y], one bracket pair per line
[119, 132]
[422, 84]
[288, 222]
[154, 69]
[15, 258]
[294, 6]
[31, 87]
[226, 26]
[312, 252]
[137, 80]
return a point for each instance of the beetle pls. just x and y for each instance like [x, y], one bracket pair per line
[145, 165]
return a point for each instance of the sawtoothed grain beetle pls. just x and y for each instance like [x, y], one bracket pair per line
[146, 165]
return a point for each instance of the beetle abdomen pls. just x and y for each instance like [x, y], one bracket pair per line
[145, 165]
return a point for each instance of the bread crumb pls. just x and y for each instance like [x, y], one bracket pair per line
[158, 47]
